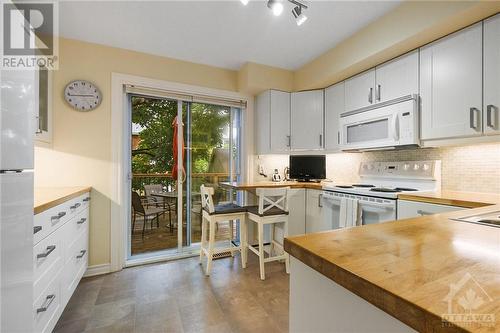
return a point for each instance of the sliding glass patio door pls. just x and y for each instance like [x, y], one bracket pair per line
[166, 208]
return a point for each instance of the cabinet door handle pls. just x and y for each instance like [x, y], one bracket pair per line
[58, 216]
[82, 253]
[321, 140]
[45, 306]
[370, 95]
[423, 212]
[338, 137]
[39, 129]
[320, 200]
[489, 116]
[377, 93]
[82, 221]
[75, 206]
[86, 199]
[37, 228]
[48, 251]
[289, 139]
[473, 118]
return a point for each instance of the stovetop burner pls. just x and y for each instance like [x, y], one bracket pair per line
[363, 185]
[344, 186]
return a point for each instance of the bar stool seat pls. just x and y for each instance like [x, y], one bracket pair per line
[211, 216]
[271, 211]
[226, 208]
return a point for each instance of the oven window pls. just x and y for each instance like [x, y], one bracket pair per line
[373, 130]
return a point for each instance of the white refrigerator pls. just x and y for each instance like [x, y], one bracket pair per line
[18, 102]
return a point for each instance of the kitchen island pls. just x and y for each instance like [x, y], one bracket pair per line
[400, 276]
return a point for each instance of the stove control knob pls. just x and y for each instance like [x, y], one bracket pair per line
[416, 167]
[426, 167]
[406, 167]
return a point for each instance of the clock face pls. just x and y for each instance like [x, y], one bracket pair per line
[82, 95]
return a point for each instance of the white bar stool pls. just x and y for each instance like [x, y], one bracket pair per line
[272, 210]
[213, 215]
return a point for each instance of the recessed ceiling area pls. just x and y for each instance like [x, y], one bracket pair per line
[219, 33]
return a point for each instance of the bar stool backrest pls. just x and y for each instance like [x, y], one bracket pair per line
[207, 198]
[272, 197]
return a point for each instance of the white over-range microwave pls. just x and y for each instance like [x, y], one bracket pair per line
[389, 125]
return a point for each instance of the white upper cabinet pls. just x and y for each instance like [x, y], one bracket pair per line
[360, 91]
[307, 114]
[451, 85]
[280, 121]
[492, 75]
[397, 78]
[334, 106]
[263, 123]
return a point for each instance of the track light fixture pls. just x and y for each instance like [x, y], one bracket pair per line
[277, 8]
[299, 16]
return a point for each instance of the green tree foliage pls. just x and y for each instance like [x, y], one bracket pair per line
[154, 153]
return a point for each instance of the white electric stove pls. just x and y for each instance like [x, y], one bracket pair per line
[377, 192]
[388, 179]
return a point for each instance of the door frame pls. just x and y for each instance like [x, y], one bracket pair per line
[120, 145]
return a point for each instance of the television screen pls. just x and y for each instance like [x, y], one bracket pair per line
[307, 167]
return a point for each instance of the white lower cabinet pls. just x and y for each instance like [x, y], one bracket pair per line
[60, 258]
[296, 206]
[409, 209]
[314, 211]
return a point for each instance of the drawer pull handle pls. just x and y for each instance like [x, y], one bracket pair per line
[46, 304]
[86, 199]
[58, 216]
[82, 221]
[82, 253]
[423, 212]
[49, 250]
[37, 229]
[75, 206]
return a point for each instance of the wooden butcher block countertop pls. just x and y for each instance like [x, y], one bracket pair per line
[406, 267]
[241, 186]
[48, 197]
[454, 198]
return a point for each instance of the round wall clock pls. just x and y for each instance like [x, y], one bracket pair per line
[82, 95]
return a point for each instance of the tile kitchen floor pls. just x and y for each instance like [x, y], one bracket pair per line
[177, 297]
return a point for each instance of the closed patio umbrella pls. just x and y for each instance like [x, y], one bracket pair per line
[177, 125]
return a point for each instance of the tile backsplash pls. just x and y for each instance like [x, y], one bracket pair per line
[465, 168]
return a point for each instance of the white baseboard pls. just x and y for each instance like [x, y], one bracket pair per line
[97, 270]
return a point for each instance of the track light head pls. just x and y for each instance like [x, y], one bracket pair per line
[299, 16]
[244, 2]
[276, 6]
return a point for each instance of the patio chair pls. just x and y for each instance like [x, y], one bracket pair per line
[147, 212]
[159, 201]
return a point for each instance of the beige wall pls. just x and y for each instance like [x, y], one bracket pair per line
[409, 26]
[80, 153]
[255, 78]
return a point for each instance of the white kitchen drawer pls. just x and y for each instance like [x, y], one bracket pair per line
[409, 209]
[47, 261]
[47, 307]
[48, 221]
[74, 227]
[75, 266]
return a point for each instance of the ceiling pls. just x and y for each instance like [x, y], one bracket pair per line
[218, 33]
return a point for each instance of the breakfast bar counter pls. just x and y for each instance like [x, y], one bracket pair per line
[453, 198]
[417, 271]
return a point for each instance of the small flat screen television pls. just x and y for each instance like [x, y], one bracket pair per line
[307, 167]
